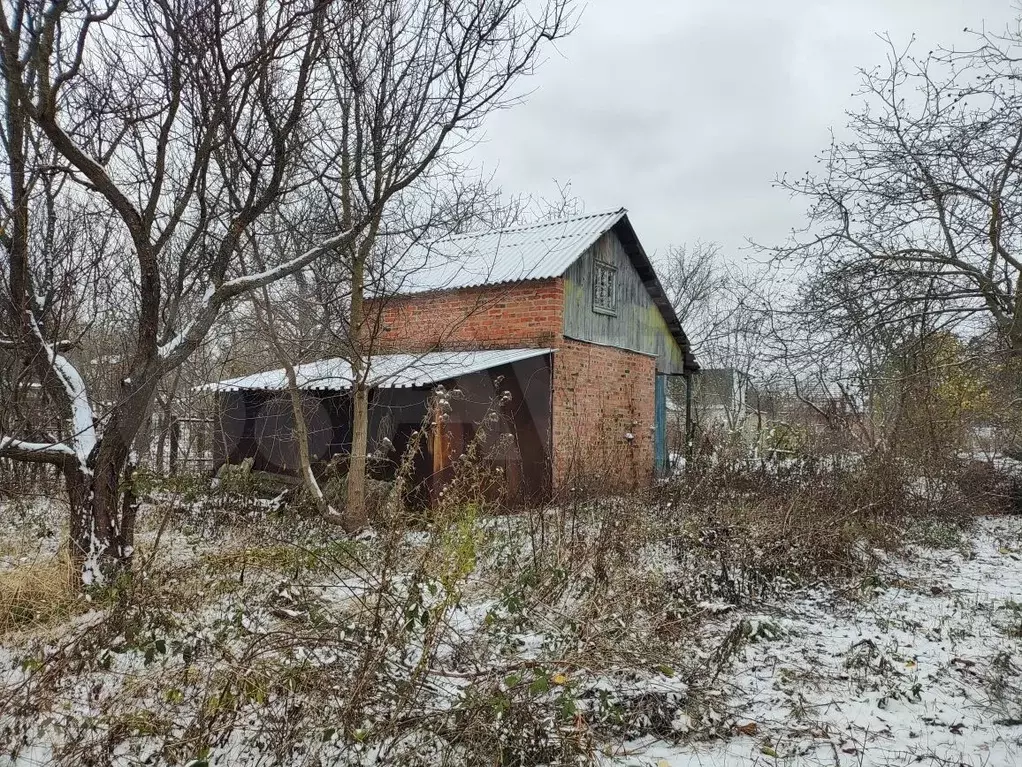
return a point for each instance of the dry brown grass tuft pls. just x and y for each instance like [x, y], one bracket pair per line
[35, 594]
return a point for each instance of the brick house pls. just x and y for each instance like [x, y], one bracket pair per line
[566, 319]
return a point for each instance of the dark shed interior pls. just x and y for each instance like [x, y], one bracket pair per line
[259, 424]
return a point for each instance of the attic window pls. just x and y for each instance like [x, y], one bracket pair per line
[604, 288]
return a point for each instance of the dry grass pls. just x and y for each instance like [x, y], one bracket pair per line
[36, 594]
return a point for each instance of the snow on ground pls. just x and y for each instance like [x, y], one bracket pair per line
[29, 532]
[925, 667]
[920, 664]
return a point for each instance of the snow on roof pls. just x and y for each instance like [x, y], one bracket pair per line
[535, 252]
[386, 371]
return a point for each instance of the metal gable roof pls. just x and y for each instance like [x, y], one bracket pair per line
[386, 371]
[535, 252]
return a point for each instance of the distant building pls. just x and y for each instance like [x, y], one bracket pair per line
[721, 399]
[724, 406]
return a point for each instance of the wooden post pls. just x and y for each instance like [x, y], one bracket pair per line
[440, 449]
[689, 426]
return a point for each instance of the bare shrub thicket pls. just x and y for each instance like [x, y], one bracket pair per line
[293, 645]
[254, 634]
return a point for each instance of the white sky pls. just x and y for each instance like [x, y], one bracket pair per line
[685, 111]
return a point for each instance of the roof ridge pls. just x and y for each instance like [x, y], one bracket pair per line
[528, 227]
[545, 239]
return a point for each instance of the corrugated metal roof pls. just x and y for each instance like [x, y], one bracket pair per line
[386, 371]
[535, 252]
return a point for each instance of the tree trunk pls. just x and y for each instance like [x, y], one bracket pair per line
[107, 554]
[355, 517]
[175, 443]
[161, 441]
[265, 315]
[302, 434]
[101, 528]
[144, 441]
[104, 506]
[79, 494]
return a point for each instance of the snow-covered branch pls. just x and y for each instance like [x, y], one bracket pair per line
[61, 346]
[37, 452]
[83, 422]
[177, 350]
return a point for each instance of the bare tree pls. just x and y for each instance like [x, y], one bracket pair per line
[175, 126]
[412, 81]
[698, 279]
[178, 133]
[918, 209]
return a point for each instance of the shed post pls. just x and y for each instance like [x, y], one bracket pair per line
[689, 436]
[661, 462]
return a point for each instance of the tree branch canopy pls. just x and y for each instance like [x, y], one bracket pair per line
[147, 148]
[919, 203]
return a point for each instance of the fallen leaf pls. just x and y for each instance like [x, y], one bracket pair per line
[749, 728]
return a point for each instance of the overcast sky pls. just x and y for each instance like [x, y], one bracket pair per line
[683, 111]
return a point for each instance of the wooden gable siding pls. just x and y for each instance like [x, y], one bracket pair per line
[637, 324]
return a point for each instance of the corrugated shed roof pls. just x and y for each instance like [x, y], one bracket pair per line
[386, 371]
[535, 252]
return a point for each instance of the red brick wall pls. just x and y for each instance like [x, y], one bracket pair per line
[528, 314]
[602, 394]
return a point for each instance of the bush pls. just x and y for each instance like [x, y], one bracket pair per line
[802, 519]
[990, 488]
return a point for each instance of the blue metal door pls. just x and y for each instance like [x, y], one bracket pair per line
[660, 463]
